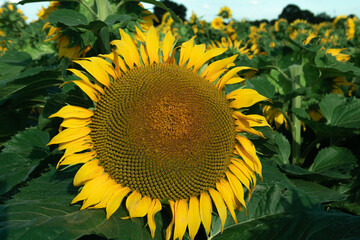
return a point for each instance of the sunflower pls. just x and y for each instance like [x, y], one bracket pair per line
[336, 52]
[225, 12]
[217, 23]
[273, 114]
[162, 129]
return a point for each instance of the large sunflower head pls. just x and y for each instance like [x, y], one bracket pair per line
[162, 128]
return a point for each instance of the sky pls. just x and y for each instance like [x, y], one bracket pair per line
[248, 9]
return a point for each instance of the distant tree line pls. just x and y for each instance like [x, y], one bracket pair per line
[291, 12]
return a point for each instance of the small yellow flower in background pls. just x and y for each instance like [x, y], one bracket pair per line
[193, 18]
[272, 44]
[336, 52]
[315, 115]
[233, 45]
[44, 12]
[54, 34]
[177, 126]
[10, 6]
[217, 23]
[350, 31]
[339, 82]
[273, 115]
[311, 36]
[278, 23]
[338, 18]
[225, 12]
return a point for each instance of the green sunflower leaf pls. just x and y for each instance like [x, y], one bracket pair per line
[321, 193]
[340, 111]
[20, 156]
[67, 17]
[262, 86]
[314, 224]
[42, 210]
[278, 204]
[334, 161]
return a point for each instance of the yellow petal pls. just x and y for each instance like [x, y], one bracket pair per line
[235, 80]
[140, 35]
[207, 56]
[220, 206]
[129, 49]
[75, 122]
[69, 135]
[85, 139]
[247, 149]
[244, 98]
[96, 196]
[196, 52]
[90, 187]
[227, 76]
[77, 158]
[153, 209]
[152, 45]
[106, 196]
[226, 192]
[205, 211]
[236, 187]
[169, 228]
[167, 45]
[194, 217]
[78, 147]
[73, 111]
[133, 200]
[87, 172]
[91, 92]
[239, 174]
[103, 64]
[115, 200]
[141, 208]
[86, 79]
[185, 51]
[244, 126]
[181, 218]
[144, 55]
[215, 69]
[95, 70]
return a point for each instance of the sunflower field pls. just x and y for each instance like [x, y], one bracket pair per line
[118, 124]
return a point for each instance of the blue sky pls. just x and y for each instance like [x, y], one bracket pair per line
[248, 9]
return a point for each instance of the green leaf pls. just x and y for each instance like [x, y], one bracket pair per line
[330, 67]
[67, 17]
[21, 155]
[321, 193]
[12, 63]
[275, 196]
[29, 81]
[322, 128]
[299, 225]
[340, 111]
[334, 161]
[283, 148]
[114, 18]
[262, 86]
[42, 210]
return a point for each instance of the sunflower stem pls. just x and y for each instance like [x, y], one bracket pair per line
[296, 72]
[89, 9]
[118, 6]
[102, 9]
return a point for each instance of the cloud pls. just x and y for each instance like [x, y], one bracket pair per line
[205, 6]
[253, 2]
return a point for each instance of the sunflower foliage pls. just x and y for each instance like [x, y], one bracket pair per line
[306, 77]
